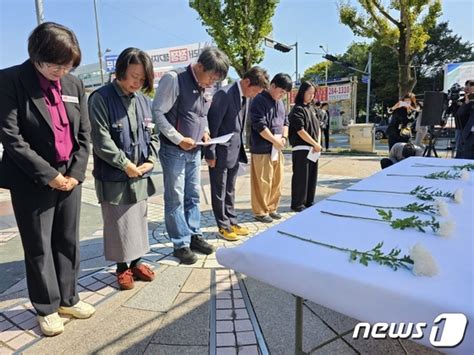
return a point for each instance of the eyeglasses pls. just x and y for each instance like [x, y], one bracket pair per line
[58, 68]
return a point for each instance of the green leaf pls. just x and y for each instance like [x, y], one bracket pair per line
[238, 27]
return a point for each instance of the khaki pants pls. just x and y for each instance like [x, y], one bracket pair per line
[266, 177]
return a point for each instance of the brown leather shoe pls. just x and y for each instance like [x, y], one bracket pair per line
[143, 272]
[125, 280]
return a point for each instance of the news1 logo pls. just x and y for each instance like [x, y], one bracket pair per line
[451, 335]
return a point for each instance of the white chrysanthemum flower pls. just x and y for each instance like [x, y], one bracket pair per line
[465, 176]
[442, 208]
[446, 228]
[423, 262]
[458, 195]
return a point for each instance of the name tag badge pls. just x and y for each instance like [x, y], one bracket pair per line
[148, 123]
[472, 129]
[72, 99]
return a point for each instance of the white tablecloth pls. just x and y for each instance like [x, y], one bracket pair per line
[375, 293]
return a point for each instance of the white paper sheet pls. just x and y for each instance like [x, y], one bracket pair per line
[275, 152]
[313, 156]
[218, 140]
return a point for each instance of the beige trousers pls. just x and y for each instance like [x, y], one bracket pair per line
[266, 177]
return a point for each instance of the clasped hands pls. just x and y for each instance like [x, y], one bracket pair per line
[63, 183]
[134, 171]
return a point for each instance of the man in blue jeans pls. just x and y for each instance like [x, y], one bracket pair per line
[180, 112]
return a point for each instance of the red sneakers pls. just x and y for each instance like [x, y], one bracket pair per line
[125, 279]
[143, 272]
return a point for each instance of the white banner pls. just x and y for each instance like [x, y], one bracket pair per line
[339, 92]
[457, 73]
[177, 56]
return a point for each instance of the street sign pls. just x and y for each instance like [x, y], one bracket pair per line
[364, 79]
[110, 61]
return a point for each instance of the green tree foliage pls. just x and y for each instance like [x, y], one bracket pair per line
[442, 47]
[238, 27]
[384, 75]
[357, 56]
[402, 26]
[317, 72]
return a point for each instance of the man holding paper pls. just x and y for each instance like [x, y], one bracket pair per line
[179, 109]
[269, 132]
[227, 115]
[305, 134]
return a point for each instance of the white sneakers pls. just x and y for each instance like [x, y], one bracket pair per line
[52, 324]
[80, 310]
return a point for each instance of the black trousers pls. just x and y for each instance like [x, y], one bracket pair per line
[223, 195]
[325, 132]
[48, 221]
[304, 180]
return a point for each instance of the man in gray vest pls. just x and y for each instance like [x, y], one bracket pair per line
[180, 111]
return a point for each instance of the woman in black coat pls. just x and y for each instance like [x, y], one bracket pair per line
[45, 132]
[304, 136]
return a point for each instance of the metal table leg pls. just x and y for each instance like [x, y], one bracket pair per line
[299, 327]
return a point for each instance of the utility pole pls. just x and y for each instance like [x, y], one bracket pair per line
[327, 62]
[98, 43]
[39, 11]
[296, 55]
[367, 72]
[368, 69]
[326, 66]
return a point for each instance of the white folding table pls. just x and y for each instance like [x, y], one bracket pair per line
[372, 293]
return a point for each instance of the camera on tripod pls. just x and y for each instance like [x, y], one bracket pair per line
[456, 93]
[455, 97]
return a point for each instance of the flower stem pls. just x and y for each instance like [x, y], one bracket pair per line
[388, 192]
[444, 175]
[412, 207]
[420, 192]
[364, 204]
[349, 216]
[375, 254]
[406, 175]
[468, 167]
[313, 241]
[398, 223]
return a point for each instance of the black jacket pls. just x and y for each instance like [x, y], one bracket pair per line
[266, 113]
[466, 146]
[226, 116]
[26, 132]
[303, 116]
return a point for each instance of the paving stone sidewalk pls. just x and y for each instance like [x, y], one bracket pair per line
[197, 309]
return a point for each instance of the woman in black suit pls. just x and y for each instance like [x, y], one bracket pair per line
[45, 132]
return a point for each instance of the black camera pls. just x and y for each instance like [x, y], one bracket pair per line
[456, 93]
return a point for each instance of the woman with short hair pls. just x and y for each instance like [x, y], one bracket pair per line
[125, 147]
[304, 135]
[45, 132]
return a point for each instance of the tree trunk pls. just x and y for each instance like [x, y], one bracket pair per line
[405, 80]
